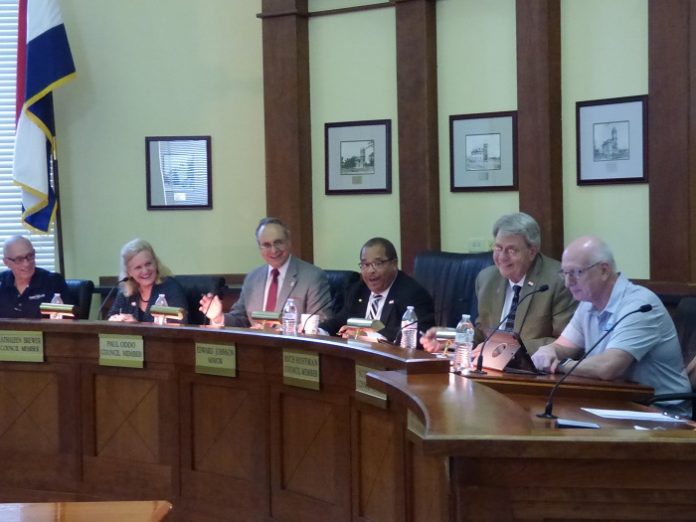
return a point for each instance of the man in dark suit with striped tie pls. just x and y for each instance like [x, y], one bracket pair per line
[383, 293]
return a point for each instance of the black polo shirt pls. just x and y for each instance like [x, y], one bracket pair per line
[41, 288]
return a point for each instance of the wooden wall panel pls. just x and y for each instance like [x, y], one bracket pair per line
[539, 146]
[416, 71]
[672, 139]
[287, 119]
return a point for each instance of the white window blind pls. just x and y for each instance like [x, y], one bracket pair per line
[10, 194]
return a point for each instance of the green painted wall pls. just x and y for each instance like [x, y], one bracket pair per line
[170, 67]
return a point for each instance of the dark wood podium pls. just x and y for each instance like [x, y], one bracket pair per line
[258, 447]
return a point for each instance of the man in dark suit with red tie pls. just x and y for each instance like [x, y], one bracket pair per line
[383, 293]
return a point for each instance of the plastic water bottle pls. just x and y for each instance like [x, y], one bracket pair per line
[161, 301]
[463, 344]
[57, 299]
[409, 329]
[290, 318]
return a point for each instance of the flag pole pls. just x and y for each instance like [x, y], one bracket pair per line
[59, 224]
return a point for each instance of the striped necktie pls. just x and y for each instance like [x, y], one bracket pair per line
[510, 323]
[374, 306]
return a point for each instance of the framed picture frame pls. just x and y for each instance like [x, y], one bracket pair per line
[357, 157]
[483, 151]
[611, 140]
[178, 173]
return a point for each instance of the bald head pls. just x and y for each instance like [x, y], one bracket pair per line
[11, 243]
[589, 270]
[19, 256]
[589, 250]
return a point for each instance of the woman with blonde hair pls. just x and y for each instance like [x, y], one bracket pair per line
[143, 278]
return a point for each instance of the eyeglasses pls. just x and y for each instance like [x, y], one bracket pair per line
[278, 244]
[576, 273]
[509, 251]
[21, 259]
[377, 264]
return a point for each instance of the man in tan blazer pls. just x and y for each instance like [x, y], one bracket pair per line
[541, 317]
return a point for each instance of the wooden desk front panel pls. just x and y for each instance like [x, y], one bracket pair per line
[248, 447]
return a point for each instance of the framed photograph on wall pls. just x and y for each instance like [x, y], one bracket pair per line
[358, 157]
[178, 173]
[611, 140]
[483, 151]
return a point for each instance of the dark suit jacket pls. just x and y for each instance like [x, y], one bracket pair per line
[542, 317]
[405, 291]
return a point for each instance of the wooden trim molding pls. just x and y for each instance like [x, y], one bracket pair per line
[540, 162]
[287, 119]
[416, 65]
[672, 139]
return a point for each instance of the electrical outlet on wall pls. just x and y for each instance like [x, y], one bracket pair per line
[477, 245]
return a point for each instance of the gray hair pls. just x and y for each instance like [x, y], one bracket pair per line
[272, 221]
[128, 252]
[519, 224]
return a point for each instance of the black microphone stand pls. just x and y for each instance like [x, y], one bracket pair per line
[548, 411]
[108, 295]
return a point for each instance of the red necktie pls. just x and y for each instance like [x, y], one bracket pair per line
[272, 292]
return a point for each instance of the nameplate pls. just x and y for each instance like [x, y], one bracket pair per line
[301, 369]
[216, 359]
[363, 391]
[21, 346]
[125, 351]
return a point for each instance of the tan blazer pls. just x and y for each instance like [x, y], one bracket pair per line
[541, 317]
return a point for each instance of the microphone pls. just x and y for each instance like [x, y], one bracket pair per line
[479, 359]
[217, 291]
[548, 411]
[315, 312]
[400, 332]
[108, 296]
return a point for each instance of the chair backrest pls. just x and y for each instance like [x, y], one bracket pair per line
[339, 282]
[685, 322]
[81, 291]
[451, 280]
[195, 286]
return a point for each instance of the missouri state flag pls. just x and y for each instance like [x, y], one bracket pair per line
[44, 62]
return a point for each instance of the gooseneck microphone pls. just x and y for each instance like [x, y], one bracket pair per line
[109, 294]
[548, 411]
[217, 292]
[479, 359]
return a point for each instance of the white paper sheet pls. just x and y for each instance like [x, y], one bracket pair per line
[635, 415]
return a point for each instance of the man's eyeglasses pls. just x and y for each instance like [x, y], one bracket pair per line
[379, 263]
[278, 244]
[21, 259]
[509, 251]
[576, 273]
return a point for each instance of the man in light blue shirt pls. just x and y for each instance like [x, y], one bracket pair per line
[643, 347]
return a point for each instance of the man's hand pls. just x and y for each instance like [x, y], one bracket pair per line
[211, 306]
[430, 343]
[546, 358]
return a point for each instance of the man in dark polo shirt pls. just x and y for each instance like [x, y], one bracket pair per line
[24, 286]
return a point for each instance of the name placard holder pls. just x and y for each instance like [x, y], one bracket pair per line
[364, 392]
[125, 351]
[21, 346]
[216, 359]
[301, 369]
